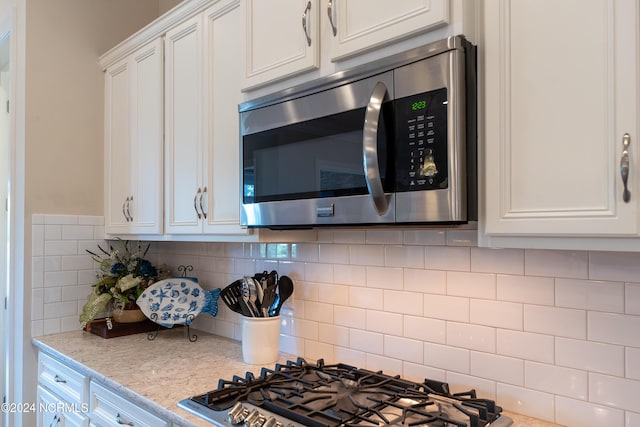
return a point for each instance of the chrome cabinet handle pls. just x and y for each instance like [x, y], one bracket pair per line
[202, 196]
[334, 29]
[370, 148]
[624, 167]
[195, 201]
[305, 15]
[59, 379]
[124, 423]
[124, 212]
[129, 210]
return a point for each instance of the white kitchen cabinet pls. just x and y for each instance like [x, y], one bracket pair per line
[61, 395]
[133, 143]
[356, 26]
[202, 86]
[108, 408]
[284, 37]
[281, 39]
[560, 89]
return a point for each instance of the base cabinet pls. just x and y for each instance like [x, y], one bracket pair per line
[108, 408]
[61, 395]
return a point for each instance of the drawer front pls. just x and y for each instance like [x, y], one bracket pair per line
[62, 380]
[106, 408]
[52, 412]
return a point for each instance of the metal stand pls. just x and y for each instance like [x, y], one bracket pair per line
[192, 337]
[154, 316]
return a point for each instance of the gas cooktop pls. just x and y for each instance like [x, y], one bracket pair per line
[317, 395]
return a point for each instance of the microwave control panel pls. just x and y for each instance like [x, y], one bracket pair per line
[421, 141]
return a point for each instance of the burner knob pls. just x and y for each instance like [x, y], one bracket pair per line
[254, 419]
[272, 422]
[237, 414]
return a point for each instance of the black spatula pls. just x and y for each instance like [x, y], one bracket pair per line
[231, 296]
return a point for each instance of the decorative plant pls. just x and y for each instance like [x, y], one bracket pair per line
[122, 276]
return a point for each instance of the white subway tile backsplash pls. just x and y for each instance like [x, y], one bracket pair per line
[505, 261]
[403, 349]
[501, 368]
[507, 315]
[366, 254]
[562, 322]
[403, 256]
[353, 275]
[383, 322]
[590, 356]
[526, 401]
[614, 266]
[614, 391]
[448, 258]
[366, 297]
[590, 295]
[526, 289]
[525, 345]
[425, 237]
[403, 302]
[550, 334]
[349, 316]
[367, 341]
[425, 281]
[555, 379]
[632, 363]
[632, 298]
[571, 412]
[446, 307]
[385, 277]
[425, 329]
[614, 328]
[446, 357]
[570, 264]
[388, 237]
[472, 337]
[472, 285]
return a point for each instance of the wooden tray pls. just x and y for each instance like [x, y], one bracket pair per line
[99, 327]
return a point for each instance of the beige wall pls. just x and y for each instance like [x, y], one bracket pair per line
[64, 98]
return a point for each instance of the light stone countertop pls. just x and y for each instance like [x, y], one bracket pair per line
[157, 374]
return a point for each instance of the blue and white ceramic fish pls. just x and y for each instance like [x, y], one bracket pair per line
[177, 301]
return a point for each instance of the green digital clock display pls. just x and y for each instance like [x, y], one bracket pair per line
[419, 105]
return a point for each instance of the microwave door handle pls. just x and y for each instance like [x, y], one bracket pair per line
[370, 149]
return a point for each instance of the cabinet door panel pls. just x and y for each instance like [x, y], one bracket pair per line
[561, 90]
[276, 47]
[223, 148]
[367, 24]
[184, 126]
[148, 143]
[117, 146]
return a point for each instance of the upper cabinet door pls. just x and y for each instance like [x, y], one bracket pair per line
[117, 142]
[184, 127]
[360, 25]
[560, 94]
[145, 205]
[281, 39]
[222, 152]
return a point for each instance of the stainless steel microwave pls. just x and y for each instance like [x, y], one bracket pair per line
[393, 142]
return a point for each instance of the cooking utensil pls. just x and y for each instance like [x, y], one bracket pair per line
[269, 298]
[285, 289]
[249, 296]
[231, 295]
